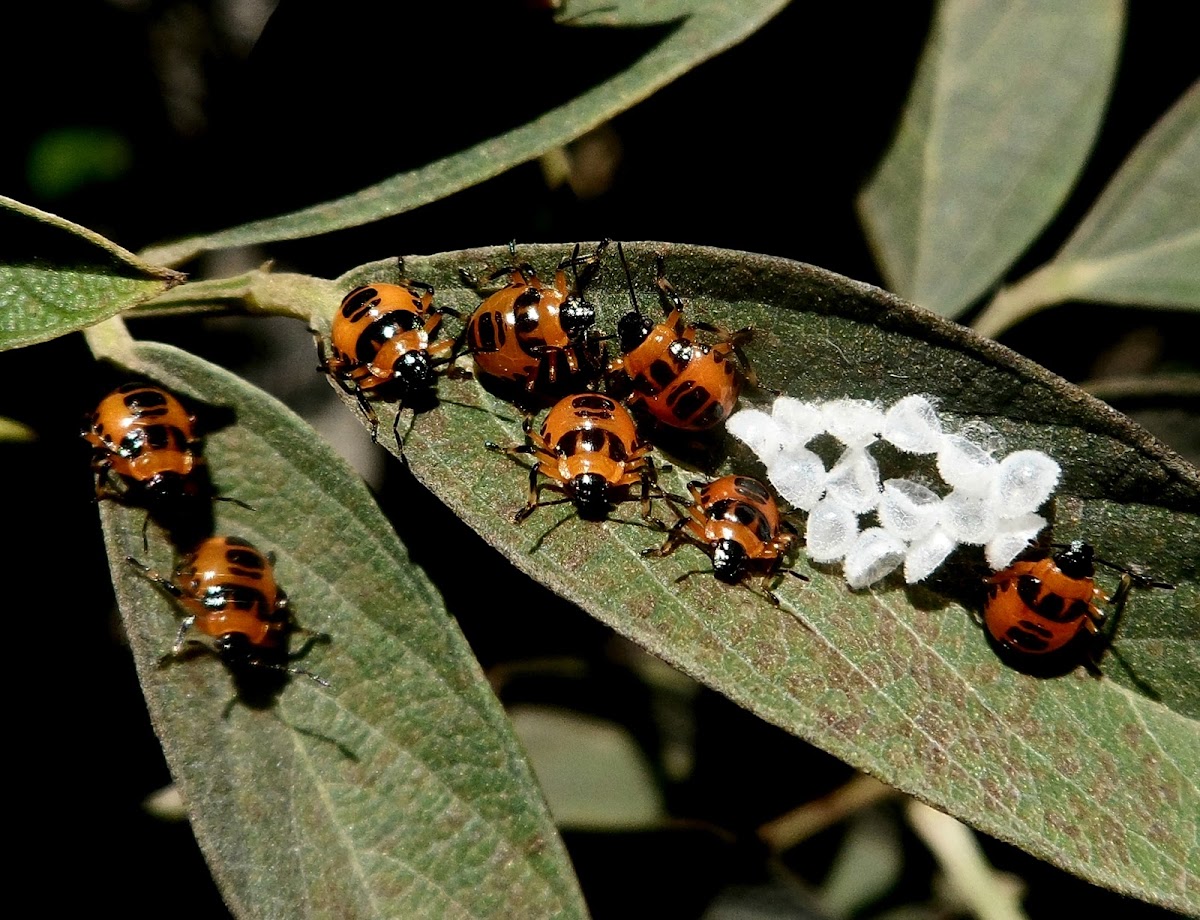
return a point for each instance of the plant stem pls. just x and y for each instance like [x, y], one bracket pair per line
[1052, 283]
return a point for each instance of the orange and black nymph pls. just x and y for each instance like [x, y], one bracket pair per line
[589, 447]
[381, 343]
[147, 450]
[232, 605]
[736, 521]
[1042, 606]
[681, 382]
[534, 336]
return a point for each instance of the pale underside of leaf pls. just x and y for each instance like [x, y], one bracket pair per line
[1153, 202]
[1161, 273]
[1005, 107]
[898, 681]
[398, 791]
[592, 771]
[705, 29]
[1139, 244]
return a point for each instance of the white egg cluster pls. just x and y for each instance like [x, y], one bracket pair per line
[989, 502]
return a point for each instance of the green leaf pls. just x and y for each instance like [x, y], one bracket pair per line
[868, 864]
[897, 681]
[67, 159]
[57, 277]
[591, 770]
[706, 28]
[400, 791]
[984, 892]
[260, 291]
[1145, 228]
[1139, 244]
[12, 431]
[1007, 101]
[586, 13]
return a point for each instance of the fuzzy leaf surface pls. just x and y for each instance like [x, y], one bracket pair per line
[400, 790]
[58, 277]
[897, 681]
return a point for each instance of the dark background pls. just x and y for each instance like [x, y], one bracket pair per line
[761, 149]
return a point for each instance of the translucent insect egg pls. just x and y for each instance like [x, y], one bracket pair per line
[1023, 482]
[798, 475]
[1011, 537]
[927, 554]
[854, 480]
[872, 556]
[969, 518]
[913, 426]
[832, 529]
[965, 466]
[802, 421]
[908, 510]
[760, 432]
[854, 422]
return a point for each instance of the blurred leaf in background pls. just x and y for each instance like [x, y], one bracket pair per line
[65, 160]
[1006, 106]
